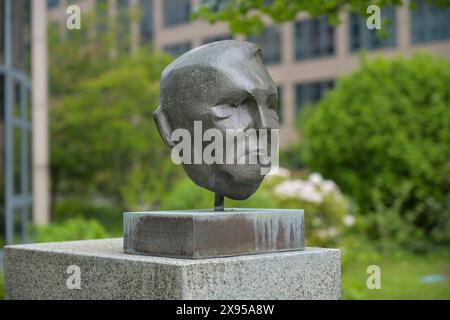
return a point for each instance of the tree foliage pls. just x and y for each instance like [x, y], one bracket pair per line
[248, 16]
[383, 134]
[104, 144]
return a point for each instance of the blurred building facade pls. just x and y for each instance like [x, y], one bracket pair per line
[18, 121]
[15, 124]
[304, 57]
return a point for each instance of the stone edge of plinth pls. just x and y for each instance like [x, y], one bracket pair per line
[73, 248]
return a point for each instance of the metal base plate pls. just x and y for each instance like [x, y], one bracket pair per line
[200, 234]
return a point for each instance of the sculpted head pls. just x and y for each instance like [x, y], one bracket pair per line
[224, 86]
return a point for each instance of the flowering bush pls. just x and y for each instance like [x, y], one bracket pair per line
[326, 209]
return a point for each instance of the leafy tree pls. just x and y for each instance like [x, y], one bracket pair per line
[104, 144]
[383, 134]
[247, 16]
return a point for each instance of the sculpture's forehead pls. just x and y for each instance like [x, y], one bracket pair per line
[250, 75]
[231, 63]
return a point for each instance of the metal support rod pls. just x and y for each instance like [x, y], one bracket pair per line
[218, 202]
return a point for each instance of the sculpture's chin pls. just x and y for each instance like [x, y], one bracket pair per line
[237, 182]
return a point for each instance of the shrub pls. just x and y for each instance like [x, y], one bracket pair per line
[385, 129]
[2, 286]
[110, 217]
[104, 141]
[71, 229]
[187, 195]
[327, 211]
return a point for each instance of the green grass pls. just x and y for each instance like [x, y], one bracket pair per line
[1, 286]
[400, 276]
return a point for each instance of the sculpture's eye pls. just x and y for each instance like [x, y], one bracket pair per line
[222, 111]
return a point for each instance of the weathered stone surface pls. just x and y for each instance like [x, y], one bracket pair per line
[205, 233]
[39, 271]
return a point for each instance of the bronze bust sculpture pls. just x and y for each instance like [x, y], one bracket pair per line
[225, 86]
[218, 114]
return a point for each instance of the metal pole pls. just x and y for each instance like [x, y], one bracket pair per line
[9, 169]
[218, 202]
[41, 214]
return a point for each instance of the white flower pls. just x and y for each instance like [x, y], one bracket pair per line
[332, 231]
[349, 220]
[309, 193]
[316, 178]
[329, 186]
[327, 233]
[299, 189]
[279, 172]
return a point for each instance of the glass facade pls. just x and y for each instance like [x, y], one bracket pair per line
[15, 121]
[146, 22]
[314, 38]
[311, 92]
[176, 12]
[178, 49]
[270, 43]
[217, 38]
[123, 26]
[429, 23]
[215, 5]
[361, 37]
[52, 3]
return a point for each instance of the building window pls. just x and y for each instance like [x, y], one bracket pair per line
[429, 23]
[311, 92]
[362, 37]
[176, 12]
[217, 38]
[313, 38]
[280, 103]
[146, 23]
[178, 49]
[52, 3]
[123, 15]
[101, 16]
[215, 5]
[15, 122]
[270, 43]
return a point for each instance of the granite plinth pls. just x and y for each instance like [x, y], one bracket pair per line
[40, 271]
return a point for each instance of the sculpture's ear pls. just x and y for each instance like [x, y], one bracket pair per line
[161, 119]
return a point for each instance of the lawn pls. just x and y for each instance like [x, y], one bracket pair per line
[401, 276]
[1, 285]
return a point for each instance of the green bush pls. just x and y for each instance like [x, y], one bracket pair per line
[383, 134]
[325, 217]
[71, 229]
[187, 195]
[2, 286]
[327, 211]
[110, 217]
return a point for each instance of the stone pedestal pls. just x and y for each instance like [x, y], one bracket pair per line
[43, 271]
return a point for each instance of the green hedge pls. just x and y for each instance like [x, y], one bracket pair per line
[383, 134]
[71, 229]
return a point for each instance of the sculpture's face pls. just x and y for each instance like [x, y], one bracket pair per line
[223, 86]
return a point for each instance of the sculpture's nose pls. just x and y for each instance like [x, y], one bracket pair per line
[267, 118]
